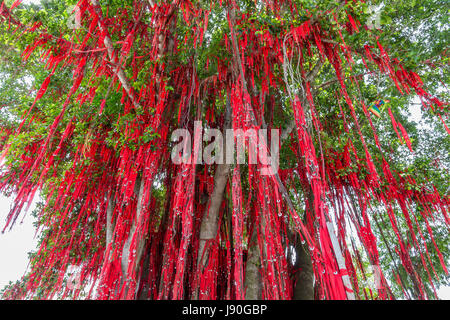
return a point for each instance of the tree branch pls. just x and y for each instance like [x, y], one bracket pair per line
[111, 53]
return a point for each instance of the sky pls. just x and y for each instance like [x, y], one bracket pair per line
[15, 244]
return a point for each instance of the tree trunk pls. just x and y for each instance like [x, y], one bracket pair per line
[126, 246]
[143, 294]
[209, 226]
[253, 279]
[109, 219]
[208, 229]
[304, 277]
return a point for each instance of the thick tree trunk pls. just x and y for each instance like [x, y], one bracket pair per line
[143, 294]
[208, 229]
[304, 277]
[126, 246]
[209, 226]
[163, 229]
[253, 281]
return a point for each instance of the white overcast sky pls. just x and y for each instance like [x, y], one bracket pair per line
[14, 245]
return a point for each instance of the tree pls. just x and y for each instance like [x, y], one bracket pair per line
[356, 186]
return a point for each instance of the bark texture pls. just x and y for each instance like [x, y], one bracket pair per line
[209, 226]
[253, 281]
[304, 278]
